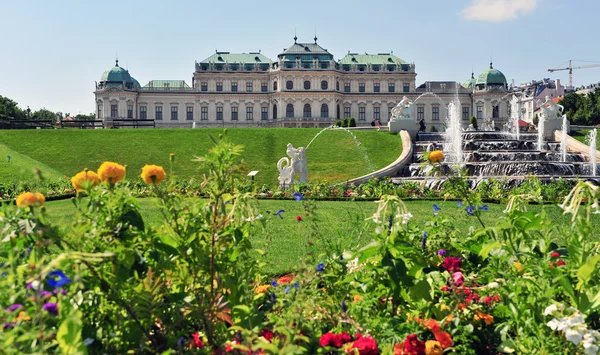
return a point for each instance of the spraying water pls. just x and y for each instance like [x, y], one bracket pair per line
[540, 128]
[355, 140]
[592, 144]
[515, 111]
[453, 137]
[563, 139]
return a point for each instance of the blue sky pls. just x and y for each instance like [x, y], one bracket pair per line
[54, 51]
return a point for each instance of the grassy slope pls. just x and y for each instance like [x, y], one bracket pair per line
[21, 166]
[342, 222]
[333, 156]
[582, 136]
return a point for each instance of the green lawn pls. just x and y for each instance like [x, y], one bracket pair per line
[334, 156]
[342, 222]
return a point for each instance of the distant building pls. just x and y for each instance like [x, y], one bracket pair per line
[304, 87]
[535, 94]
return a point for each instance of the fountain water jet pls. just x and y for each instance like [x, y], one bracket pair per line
[592, 144]
[563, 139]
[540, 128]
[515, 112]
[453, 137]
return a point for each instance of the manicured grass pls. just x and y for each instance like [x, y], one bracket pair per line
[21, 166]
[582, 136]
[334, 156]
[340, 222]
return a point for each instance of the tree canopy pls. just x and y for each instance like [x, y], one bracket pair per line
[582, 109]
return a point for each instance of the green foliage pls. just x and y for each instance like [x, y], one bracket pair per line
[582, 109]
[473, 122]
[432, 129]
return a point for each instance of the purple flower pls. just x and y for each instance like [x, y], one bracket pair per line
[62, 292]
[45, 294]
[273, 298]
[51, 308]
[296, 285]
[9, 325]
[274, 283]
[459, 203]
[484, 208]
[441, 252]
[57, 279]
[344, 306]
[13, 307]
[298, 196]
[320, 267]
[279, 213]
[287, 289]
[470, 210]
[181, 342]
[424, 241]
[436, 209]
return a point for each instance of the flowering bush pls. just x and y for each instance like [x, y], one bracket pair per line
[198, 284]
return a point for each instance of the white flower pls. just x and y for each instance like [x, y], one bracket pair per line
[590, 349]
[35, 284]
[553, 324]
[574, 336]
[493, 285]
[353, 265]
[471, 229]
[406, 217]
[550, 309]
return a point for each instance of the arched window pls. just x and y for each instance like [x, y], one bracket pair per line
[306, 85]
[275, 112]
[289, 111]
[496, 111]
[324, 111]
[289, 85]
[324, 85]
[274, 86]
[337, 112]
[337, 86]
[307, 111]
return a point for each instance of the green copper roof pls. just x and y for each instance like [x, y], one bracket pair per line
[491, 76]
[381, 59]
[171, 84]
[135, 82]
[245, 58]
[469, 84]
[305, 49]
[116, 75]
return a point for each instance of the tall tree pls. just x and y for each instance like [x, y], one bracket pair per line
[9, 109]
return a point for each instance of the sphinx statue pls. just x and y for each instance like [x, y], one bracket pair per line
[402, 111]
[295, 164]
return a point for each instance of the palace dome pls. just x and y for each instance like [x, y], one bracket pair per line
[118, 76]
[469, 84]
[491, 78]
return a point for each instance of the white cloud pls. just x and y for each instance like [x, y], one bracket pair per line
[498, 10]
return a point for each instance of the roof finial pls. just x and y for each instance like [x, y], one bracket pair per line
[315, 35]
[491, 62]
[116, 59]
[295, 37]
[472, 72]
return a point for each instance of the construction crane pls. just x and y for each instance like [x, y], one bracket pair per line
[570, 69]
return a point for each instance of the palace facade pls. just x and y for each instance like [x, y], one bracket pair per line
[304, 87]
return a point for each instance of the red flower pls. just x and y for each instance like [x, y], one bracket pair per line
[555, 254]
[444, 339]
[284, 280]
[335, 340]
[445, 288]
[267, 334]
[299, 218]
[487, 299]
[458, 278]
[560, 263]
[413, 346]
[451, 263]
[196, 341]
[365, 345]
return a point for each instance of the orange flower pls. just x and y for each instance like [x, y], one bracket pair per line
[518, 266]
[153, 174]
[22, 317]
[262, 289]
[436, 156]
[432, 325]
[444, 338]
[433, 347]
[449, 318]
[488, 319]
[357, 298]
[30, 199]
[111, 172]
[84, 179]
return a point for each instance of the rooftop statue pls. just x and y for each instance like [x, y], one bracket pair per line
[550, 110]
[402, 111]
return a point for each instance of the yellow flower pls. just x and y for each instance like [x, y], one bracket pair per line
[262, 289]
[444, 307]
[433, 347]
[86, 178]
[111, 172]
[153, 174]
[518, 266]
[30, 199]
[488, 319]
[357, 298]
[436, 156]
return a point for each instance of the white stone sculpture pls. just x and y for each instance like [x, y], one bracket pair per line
[295, 165]
[550, 110]
[402, 111]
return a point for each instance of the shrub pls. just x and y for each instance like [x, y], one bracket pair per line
[433, 129]
[351, 122]
[473, 122]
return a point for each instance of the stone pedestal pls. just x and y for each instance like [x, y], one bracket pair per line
[550, 126]
[410, 126]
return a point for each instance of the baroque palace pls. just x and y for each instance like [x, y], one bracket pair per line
[304, 87]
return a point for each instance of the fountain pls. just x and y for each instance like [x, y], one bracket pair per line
[563, 139]
[592, 144]
[515, 113]
[453, 137]
[540, 132]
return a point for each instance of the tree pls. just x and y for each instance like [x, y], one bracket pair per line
[83, 117]
[44, 114]
[10, 110]
[473, 122]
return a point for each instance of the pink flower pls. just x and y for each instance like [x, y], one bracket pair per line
[555, 254]
[451, 263]
[458, 278]
[299, 218]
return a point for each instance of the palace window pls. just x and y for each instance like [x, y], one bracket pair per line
[289, 111]
[376, 113]
[347, 112]
[337, 86]
[289, 85]
[204, 86]
[324, 110]
[234, 113]
[264, 113]
[219, 86]
[346, 87]
[204, 113]
[361, 114]
[420, 113]
[376, 87]
[435, 113]
[496, 111]
[391, 87]
[406, 87]
[189, 113]
[274, 86]
[465, 113]
[113, 111]
[248, 86]
[143, 112]
[129, 111]
[219, 113]
[361, 87]
[479, 112]
[158, 113]
[307, 111]
[324, 85]
[306, 85]
[173, 113]
[274, 112]
[99, 110]
[249, 113]
[233, 86]
[264, 87]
